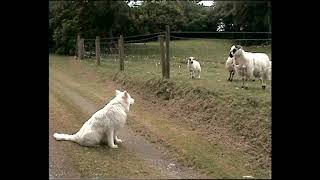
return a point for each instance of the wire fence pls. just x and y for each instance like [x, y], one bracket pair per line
[142, 52]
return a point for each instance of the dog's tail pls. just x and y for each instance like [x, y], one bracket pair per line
[65, 137]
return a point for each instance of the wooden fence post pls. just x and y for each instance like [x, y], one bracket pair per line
[269, 21]
[98, 50]
[79, 46]
[162, 55]
[121, 52]
[167, 52]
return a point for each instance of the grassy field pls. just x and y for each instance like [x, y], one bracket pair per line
[141, 61]
[206, 104]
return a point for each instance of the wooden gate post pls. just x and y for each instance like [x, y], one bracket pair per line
[162, 55]
[79, 46]
[98, 50]
[121, 52]
[167, 52]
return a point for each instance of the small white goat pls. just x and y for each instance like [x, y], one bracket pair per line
[234, 69]
[230, 66]
[251, 65]
[194, 67]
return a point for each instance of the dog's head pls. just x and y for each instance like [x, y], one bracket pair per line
[125, 96]
[234, 49]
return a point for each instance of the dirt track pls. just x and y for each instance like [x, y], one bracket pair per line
[64, 165]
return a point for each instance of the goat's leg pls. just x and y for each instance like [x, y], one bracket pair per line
[243, 79]
[245, 82]
[264, 80]
[232, 74]
[263, 83]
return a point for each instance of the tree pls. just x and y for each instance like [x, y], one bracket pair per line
[246, 15]
[67, 19]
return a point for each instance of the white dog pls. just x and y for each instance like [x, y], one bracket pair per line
[194, 67]
[103, 126]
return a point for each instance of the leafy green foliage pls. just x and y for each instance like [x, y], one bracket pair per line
[67, 19]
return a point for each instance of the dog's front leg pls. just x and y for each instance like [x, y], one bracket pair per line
[110, 137]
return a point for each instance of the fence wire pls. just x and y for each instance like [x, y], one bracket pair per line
[142, 52]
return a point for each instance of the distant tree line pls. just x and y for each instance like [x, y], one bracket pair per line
[112, 18]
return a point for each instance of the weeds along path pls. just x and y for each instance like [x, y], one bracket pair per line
[154, 144]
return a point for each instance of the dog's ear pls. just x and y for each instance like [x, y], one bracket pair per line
[117, 92]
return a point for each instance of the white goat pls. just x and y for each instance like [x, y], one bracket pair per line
[234, 69]
[194, 67]
[270, 70]
[230, 66]
[251, 65]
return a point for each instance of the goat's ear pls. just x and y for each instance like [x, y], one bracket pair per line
[117, 92]
[238, 46]
[125, 94]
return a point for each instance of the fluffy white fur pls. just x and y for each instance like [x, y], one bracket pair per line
[103, 125]
[194, 67]
[251, 65]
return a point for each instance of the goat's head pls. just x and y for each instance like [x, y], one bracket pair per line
[234, 49]
[190, 59]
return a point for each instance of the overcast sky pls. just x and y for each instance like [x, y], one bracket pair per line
[206, 3]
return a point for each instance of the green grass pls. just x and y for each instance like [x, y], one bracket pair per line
[191, 149]
[140, 64]
[210, 100]
[208, 50]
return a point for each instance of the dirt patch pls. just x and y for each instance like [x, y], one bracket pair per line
[60, 165]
